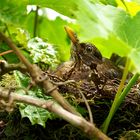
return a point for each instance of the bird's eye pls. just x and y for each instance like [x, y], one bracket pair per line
[89, 49]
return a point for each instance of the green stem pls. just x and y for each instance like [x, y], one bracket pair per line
[125, 72]
[128, 88]
[35, 22]
[125, 5]
[118, 101]
[115, 106]
[7, 29]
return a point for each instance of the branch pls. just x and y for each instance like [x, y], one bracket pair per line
[5, 67]
[52, 106]
[6, 52]
[38, 76]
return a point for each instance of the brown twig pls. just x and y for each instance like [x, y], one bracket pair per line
[6, 52]
[88, 128]
[87, 105]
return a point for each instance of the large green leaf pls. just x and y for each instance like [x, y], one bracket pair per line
[65, 7]
[13, 12]
[109, 27]
[112, 29]
[55, 33]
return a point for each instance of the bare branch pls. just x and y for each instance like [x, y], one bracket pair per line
[52, 106]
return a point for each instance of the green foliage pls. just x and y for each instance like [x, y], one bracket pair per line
[36, 115]
[97, 23]
[13, 12]
[42, 52]
[64, 7]
[54, 32]
[10, 58]
[111, 29]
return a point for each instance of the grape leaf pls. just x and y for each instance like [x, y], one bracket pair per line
[42, 51]
[35, 114]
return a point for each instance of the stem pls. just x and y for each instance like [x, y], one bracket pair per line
[121, 86]
[35, 22]
[125, 5]
[7, 29]
[118, 101]
[128, 88]
[87, 105]
[115, 106]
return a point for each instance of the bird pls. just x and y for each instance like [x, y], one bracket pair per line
[90, 55]
[86, 63]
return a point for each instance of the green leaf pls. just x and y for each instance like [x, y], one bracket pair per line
[106, 2]
[121, 32]
[36, 115]
[21, 79]
[55, 33]
[20, 38]
[110, 45]
[13, 11]
[23, 82]
[44, 52]
[62, 6]
[28, 23]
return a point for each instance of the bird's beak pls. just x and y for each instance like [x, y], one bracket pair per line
[72, 35]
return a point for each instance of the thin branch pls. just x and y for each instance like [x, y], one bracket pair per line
[5, 67]
[125, 5]
[16, 50]
[79, 122]
[87, 105]
[78, 88]
[6, 52]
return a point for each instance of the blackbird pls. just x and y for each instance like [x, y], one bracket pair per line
[89, 55]
[87, 63]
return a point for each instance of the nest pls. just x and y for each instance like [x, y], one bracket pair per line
[77, 80]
